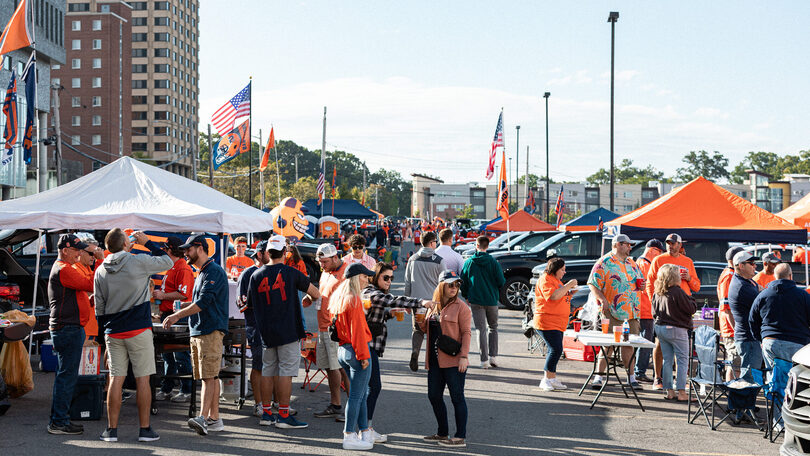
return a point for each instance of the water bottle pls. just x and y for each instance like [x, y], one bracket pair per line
[625, 331]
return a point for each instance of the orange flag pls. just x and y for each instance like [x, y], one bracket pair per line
[271, 144]
[16, 35]
[503, 191]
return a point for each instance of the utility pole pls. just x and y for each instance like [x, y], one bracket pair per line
[376, 199]
[548, 209]
[58, 125]
[210, 159]
[261, 176]
[612, 18]
[364, 182]
[296, 167]
[517, 164]
[527, 172]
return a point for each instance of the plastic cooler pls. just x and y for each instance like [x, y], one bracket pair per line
[574, 350]
[47, 357]
[88, 398]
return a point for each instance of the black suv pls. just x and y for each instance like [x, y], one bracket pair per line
[518, 242]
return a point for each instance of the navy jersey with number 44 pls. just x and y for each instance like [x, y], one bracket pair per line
[274, 295]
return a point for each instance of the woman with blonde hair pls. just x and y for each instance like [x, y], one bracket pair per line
[447, 327]
[672, 310]
[354, 354]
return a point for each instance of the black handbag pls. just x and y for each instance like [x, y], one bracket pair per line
[447, 344]
[333, 331]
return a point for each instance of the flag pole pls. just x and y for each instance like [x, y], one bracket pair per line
[36, 115]
[278, 176]
[250, 145]
[323, 156]
[261, 172]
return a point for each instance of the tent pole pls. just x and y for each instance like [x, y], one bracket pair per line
[223, 254]
[36, 289]
[806, 275]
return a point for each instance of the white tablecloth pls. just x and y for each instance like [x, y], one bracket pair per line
[599, 339]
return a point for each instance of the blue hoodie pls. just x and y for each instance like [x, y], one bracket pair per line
[781, 311]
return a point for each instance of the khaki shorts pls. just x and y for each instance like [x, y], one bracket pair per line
[326, 352]
[731, 352]
[138, 350]
[635, 325]
[206, 355]
[282, 361]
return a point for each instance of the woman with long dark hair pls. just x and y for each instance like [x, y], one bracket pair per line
[551, 309]
[447, 327]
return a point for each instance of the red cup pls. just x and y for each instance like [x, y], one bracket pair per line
[577, 325]
[639, 283]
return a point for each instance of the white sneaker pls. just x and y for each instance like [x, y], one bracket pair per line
[546, 385]
[493, 362]
[485, 365]
[181, 397]
[378, 438]
[258, 410]
[161, 396]
[557, 384]
[215, 426]
[353, 442]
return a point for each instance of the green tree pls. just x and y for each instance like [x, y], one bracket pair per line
[535, 180]
[712, 167]
[773, 164]
[467, 212]
[626, 173]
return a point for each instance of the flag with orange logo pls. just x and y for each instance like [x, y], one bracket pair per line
[17, 33]
[271, 144]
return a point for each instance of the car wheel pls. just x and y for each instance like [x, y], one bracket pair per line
[515, 293]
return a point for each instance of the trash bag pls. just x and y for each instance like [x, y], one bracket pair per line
[590, 311]
[16, 369]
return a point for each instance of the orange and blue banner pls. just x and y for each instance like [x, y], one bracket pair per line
[232, 145]
[10, 111]
[503, 191]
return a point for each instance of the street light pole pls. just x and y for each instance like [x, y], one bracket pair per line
[546, 95]
[612, 18]
[517, 163]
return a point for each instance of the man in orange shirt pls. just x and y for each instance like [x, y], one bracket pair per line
[766, 276]
[725, 316]
[89, 259]
[653, 248]
[178, 283]
[234, 265]
[799, 255]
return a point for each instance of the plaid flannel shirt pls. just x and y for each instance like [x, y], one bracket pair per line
[378, 313]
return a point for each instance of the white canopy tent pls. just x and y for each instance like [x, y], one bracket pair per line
[131, 194]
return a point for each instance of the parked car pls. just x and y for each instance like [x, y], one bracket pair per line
[695, 250]
[493, 243]
[525, 241]
[796, 407]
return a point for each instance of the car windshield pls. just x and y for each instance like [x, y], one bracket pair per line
[500, 241]
[548, 242]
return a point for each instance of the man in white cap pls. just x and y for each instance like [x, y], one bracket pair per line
[326, 350]
[615, 282]
[741, 294]
[273, 292]
[766, 275]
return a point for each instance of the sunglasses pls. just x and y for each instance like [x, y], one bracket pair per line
[387, 278]
[357, 247]
[454, 284]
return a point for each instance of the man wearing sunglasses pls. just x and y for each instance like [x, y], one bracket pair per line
[358, 254]
[741, 294]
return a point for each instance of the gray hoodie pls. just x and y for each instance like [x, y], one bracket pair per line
[121, 287]
[422, 274]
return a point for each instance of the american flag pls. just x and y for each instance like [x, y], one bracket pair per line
[497, 142]
[225, 117]
[560, 207]
[321, 180]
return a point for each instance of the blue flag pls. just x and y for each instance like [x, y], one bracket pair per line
[232, 145]
[10, 111]
[29, 76]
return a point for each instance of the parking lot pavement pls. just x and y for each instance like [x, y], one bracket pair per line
[508, 415]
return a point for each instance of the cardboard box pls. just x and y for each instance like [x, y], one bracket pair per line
[90, 363]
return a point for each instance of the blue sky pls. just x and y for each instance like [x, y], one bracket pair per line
[417, 86]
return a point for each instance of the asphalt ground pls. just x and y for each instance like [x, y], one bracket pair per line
[508, 415]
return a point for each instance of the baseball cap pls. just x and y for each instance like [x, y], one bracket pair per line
[655, 243]
[449, 276]
[770, 257]
[674, 237]
[357, 269]
[194, 239]
[70, 240]
[742, 257]
[622, 238]
[277, 242]
[326, 250]
[733, 251]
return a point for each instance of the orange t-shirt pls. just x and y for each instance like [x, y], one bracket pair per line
[645, 308]
[548, 314]
[798, 257]
[235, 265]
[683, 261]
[87, 313]
[764, 279]
[723, 283]
[329, 282]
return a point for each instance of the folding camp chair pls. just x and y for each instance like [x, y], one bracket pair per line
[708, 375]
[308, 347]
[775, 396]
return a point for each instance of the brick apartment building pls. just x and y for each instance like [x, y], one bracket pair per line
[96, 85]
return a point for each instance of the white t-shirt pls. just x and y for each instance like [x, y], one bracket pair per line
[452, 259]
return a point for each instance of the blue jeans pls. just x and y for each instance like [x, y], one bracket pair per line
[394, 254]
[750, 358]
[374, 383]
[67, 344]
[454, 380]
[782, 349]
[647, 332]
[554, 342]
[674, 344]
[357, 404]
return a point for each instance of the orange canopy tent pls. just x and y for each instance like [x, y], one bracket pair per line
[521, 221]
[798, 213]
[703, 211]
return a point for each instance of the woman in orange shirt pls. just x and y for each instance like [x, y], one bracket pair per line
[552, 307]
[354, 354]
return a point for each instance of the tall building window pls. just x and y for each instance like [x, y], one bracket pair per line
[161, 68]
[161, 37]
[96, 101]
[96, 121]
[96, 44]
[75, 140]
[76, 26]
[76, 83]
[139, 21]
[139, 68]
[139, 52]
[162, 21]
[104, 9]
[138, 38]
[76, 121]
[96, 63]
[161, 83]
[55, 81]
[161, 52]
[76, 45]
[139, 84]
[97, 25]
[138, 6]
[161, 6]
[76, 102]
[96, 83]
[95, 140]
[76, 64]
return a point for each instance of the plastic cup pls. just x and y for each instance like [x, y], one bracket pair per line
[367, 303]
[617, 333]
[420, 315]
[399, 314]
[605, 325]
[577, 325]
[639, 283]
